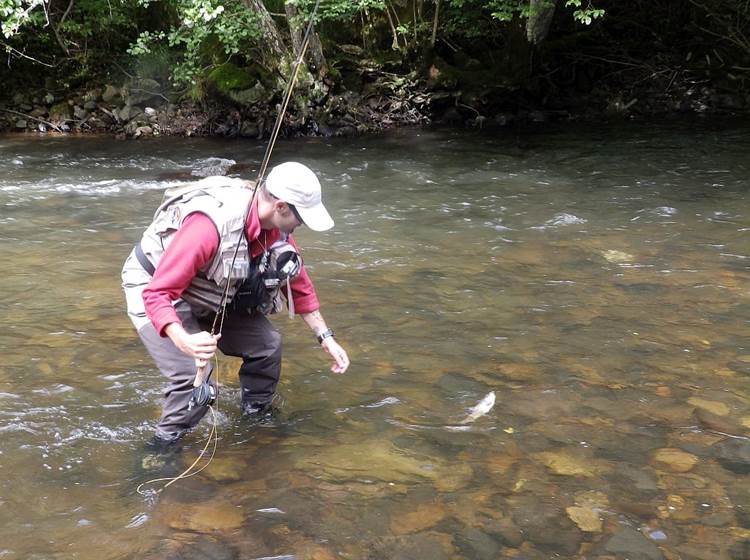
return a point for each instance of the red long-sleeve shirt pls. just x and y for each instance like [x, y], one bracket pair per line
[192, 248]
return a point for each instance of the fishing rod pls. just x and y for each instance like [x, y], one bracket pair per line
[203, 393]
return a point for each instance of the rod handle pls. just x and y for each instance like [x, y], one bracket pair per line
[201, 373]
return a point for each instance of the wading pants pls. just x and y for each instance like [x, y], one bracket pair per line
[250, 337]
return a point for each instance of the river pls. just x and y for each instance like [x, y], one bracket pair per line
[594, 277]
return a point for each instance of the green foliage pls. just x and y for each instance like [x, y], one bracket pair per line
[205, 32]
[15, 13]
[583, 14]
[229, 77]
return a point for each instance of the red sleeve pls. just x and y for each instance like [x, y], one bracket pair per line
[303, 291]
[193, 246]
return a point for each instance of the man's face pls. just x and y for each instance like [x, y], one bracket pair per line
[284, 218]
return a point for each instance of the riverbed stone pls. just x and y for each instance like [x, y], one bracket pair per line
[586, 518]
[21, 123]
[567, 464]
[424, 516]
[545, 525]
[714, 407]
[734, 455]
[617, 257]
[203, 518]
[740, 550]
[633, 545]
[725, 424]
[673, 459]
[432, 545]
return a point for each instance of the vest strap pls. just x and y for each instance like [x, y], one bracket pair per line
[143, 260]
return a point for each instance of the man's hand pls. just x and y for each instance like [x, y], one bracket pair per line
[201, 345]
[340, 358]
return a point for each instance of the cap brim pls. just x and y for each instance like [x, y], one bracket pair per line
[316, 217]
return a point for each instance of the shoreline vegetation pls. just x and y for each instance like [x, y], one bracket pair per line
[210, 68]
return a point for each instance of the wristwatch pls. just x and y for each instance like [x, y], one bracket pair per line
[325, 334]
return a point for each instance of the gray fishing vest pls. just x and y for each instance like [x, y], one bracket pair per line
[225, 201]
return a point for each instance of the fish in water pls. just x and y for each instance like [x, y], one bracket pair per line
[481, 408]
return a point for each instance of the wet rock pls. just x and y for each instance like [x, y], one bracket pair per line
[90, 105]
[615, 256]
[566, 464]
[454, 478]
[734, 455]
[212, 166]
[518, 371]
[740, 550]
[507, 532]
[188, 547]
[677, 508]
[545, 524]
[435, 546]
[673, 459]
[21, 124]
[203, 518]
[477, 545]
[424, 516]
[633, 545]
[714, 407]
[725, 424]
[586, 518]
[19, 99]
[226, 468]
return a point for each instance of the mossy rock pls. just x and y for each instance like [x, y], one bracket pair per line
[250, 96]
[229, 77]
[60, 112]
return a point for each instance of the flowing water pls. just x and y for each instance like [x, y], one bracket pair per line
[595, 278]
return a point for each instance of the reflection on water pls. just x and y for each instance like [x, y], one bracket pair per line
[596, 280]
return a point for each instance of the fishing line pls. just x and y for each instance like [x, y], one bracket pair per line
[220, 313]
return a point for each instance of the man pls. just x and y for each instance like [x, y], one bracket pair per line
[176, 277]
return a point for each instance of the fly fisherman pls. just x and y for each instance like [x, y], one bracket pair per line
[175, 280]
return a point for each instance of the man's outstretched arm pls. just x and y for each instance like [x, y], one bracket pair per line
[317, 324]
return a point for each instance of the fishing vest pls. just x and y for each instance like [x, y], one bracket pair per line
[225, 201]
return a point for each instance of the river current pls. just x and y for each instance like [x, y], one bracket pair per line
[594, 277]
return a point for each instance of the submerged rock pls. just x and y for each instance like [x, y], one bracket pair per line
[673, 459]
[734, 455]
[566, 464]
[586, 518]
[203, 518]
[633, 545]
[714, 407]
[424, 516]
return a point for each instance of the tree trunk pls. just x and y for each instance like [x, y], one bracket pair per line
[275, 52]
[316, 60]
[540, 19]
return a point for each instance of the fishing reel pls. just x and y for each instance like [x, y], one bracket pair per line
[203, 395]
[280, 264]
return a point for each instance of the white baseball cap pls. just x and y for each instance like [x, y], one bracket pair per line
[296, 184]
